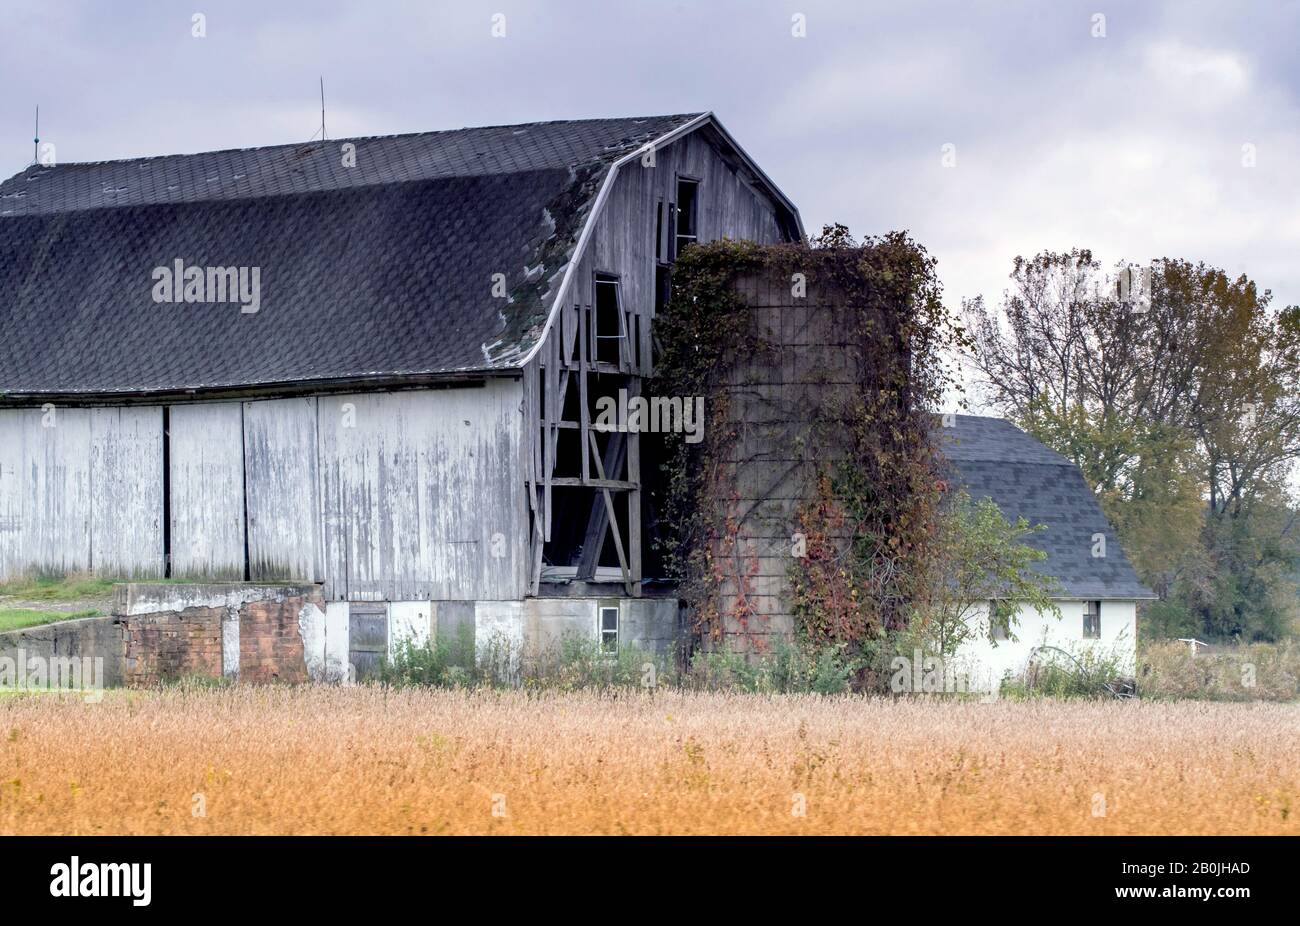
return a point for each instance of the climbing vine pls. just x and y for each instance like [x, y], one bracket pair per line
[862, 539]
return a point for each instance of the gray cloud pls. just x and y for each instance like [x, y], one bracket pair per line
[1129, 144]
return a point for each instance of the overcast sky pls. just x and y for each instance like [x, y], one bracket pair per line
[1130, 144]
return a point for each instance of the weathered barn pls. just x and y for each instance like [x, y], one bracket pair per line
[369, 364]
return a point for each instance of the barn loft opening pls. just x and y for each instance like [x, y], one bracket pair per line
[609, 331]
[687, 201]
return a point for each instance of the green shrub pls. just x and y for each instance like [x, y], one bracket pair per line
[447, 662]
[1091, 672]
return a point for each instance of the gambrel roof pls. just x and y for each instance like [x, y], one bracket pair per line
[370, 273]
[993, 458]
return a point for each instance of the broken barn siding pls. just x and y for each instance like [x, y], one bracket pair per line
[623, 236]
[625, 242]
[421, 495]
[207, 490]
[280, 460]
[126, 498]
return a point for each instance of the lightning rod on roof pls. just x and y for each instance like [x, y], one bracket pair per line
[36, 140]
[322, 109]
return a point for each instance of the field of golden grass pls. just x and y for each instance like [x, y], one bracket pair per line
[362, 760]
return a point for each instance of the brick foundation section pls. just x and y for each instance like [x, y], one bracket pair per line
[170, 645]
[270, 643]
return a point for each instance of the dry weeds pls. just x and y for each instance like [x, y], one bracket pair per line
[334, 760]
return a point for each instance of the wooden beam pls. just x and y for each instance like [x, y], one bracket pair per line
[584, 416]
[634, 503]
[613, 524]
[597, 519]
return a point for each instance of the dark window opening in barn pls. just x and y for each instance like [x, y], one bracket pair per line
[687, 196]
[609, 320]
[662, 283]
[609, 627]
[568, 457]
[568, 526]
[1092, 620]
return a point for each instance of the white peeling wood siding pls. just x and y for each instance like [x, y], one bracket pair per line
[81, 490]
[12, 525]
[623, 237]
[421, 494]
[280, 456]
[126, 491]
[207, 490]
[57, 504]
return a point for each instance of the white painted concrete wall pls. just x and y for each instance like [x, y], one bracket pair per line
[985, 663]
[409, 621]
[499, 635]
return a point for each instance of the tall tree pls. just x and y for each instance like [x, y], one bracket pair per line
[1179, 398]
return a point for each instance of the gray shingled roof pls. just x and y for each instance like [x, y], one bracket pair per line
[375, 271]
[995, 459]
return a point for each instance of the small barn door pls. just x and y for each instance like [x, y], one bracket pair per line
[367, 637]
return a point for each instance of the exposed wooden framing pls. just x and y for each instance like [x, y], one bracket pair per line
[634, 503]
[620, 244]
[548, 453]
[573, 482]
[584, 413]
[598, 518]
[613, 519]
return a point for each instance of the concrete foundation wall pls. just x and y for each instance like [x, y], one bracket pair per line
[289, 633]
[89, 637]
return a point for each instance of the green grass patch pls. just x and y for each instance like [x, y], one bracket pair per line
[58, 588]
[18, 618]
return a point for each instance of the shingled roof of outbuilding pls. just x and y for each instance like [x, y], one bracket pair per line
[993, 458]
[368, 273]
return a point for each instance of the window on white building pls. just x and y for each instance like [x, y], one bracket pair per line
[1092, 620]
[609, 628]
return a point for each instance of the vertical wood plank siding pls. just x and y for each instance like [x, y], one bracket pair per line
[405, 495]
[126, 498]
[280, 459]
[421, 495]
[81, 490]
[207, 490]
